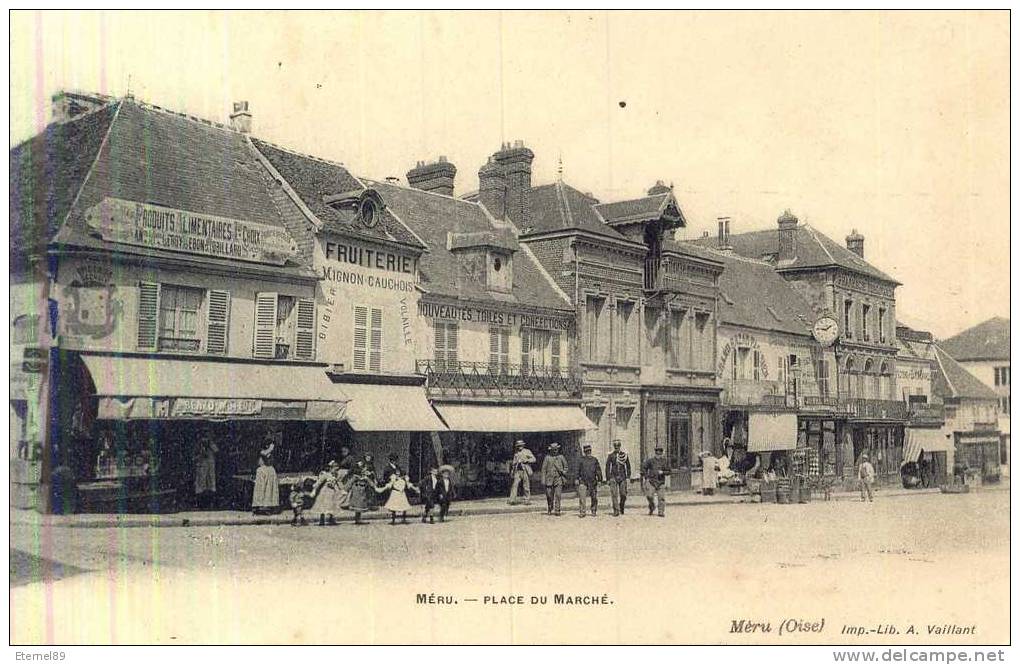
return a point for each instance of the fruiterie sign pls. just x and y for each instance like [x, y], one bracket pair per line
[158, 227]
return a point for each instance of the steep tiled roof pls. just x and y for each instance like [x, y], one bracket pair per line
[558, 206]
[951, 379]
[985, 341]
[432, 217]
[814, 250]
[634, 210]
[670, 245]
[46, 173]
[312, 179]
[753, 294]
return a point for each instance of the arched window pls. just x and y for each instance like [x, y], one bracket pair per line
[846, 379]
[885, 384]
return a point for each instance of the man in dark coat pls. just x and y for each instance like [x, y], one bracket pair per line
[589, 476]
[554, 472]
[429, 487]
[618, 476]
[444, 494]
[654, 472]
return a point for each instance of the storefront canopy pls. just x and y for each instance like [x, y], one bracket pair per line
[771, 431]
[916, 439]
[386, 408]
[483, 418]
[132, 388]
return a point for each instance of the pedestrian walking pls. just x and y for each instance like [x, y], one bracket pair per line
[520, 473]
[866, 477]
[618, 477]
[266, 495]
[299, 493]
[358, 488]
[654, 472]
[444, 495]
[429, 490]
[589, 477]
[554, 472]
[372, 475]
[327, 493]
[205, 472]
[397, 501]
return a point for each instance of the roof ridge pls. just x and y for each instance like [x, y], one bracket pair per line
[564, 207]
[305, 155]
[65, 122]
[409, 188]
[945, 374]
[92, 167]
[814, 236]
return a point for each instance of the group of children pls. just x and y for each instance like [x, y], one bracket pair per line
[353, 488]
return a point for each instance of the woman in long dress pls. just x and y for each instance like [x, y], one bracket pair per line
[327, 494]
[397, 501]
[358, 491]
[205, 472]
[266, 496]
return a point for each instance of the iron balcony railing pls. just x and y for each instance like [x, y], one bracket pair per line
[874, 409]
[444, 379]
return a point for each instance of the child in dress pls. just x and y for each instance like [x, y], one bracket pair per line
[357, 486]
[298, 494]
[327, 494]
[397, 502]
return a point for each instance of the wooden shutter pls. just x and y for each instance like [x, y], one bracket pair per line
[452, 345]
[360, 338]
[440, 346]
[554, 350]
[493, 348]
[217, 322]
[264, 344]
[148, 315]
[305, 336]
[375, 342]
[526, 339]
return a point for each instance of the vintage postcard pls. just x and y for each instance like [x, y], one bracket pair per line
[539, 327]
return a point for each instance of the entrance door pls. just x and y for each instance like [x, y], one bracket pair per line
[678, 449]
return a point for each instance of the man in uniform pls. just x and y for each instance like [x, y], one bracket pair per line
[654, 471]
[589, 476]
[618, 477]
[520, 473]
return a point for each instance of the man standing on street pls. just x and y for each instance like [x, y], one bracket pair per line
[618, 477]
[520, 473]
[866, 476]
[554, 472]
[654, 471]
[589, 476]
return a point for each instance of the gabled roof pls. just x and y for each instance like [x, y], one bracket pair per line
[952, 380]
[688, 249]
[314, 179]
[814, 250]
[433, 217]
[558, 206]
[985, 341]
[45, 174]
[753, 294]
[637, 210]
[155, 156]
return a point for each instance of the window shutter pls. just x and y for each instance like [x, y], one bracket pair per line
[554, 345]
[526, 334]
[375, 348]
[493, 347]
[217, 322]
[304, 341]
[440, 345]
[452, 342]
[757, 365]
[264, 345]
[148, 315]
[360, 338]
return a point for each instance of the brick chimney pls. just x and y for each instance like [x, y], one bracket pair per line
[436, 177]
[855, 243]
[66, 104]
[515, 159]
[240, 119]
[492, 188]
[787, 236]
[724, 232]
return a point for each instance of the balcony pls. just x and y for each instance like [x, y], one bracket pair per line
[926, 414]
[873, 409]
[489, 381]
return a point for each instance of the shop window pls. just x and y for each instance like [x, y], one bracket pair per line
[499, 349]
[368, 331]
[447, 345]
[848, 319]
[284, 327]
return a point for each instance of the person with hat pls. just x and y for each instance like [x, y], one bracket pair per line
[866, 477]
[358, 486]
[554, 472]
[618, 476]
[326, 493]
[520, 473]
[654, 472]
[589, 477]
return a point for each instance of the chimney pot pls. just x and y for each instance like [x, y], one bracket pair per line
[240, 119]
[855, 243]
[787, 223]
[515, 162]
[437, 177]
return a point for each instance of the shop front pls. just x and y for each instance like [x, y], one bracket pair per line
[684, 423]
[925, 457]
[979, 452]
[883, 442]
[479, 443]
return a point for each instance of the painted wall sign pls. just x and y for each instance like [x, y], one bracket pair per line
[495, 317]
[364, 257]
[158, 227]
[741, 341]
[215, 407]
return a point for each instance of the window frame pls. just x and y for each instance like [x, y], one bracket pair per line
[176, 291]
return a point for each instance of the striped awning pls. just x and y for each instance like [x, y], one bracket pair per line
[768, 432]
[916, 439]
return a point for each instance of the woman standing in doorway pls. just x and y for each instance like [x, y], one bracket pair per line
[266, 496]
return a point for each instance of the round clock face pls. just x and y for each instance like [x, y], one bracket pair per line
[825, 330]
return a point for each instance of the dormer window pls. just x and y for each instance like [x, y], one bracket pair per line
[500, 275]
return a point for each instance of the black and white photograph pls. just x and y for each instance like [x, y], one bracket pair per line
[573, 327]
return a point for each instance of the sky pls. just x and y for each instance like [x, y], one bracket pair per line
[894, 124]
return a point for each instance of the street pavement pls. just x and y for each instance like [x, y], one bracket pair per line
[904, 560]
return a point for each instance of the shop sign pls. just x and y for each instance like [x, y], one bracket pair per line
[33, 360]
[158, 227]
[350, 263]
[215, 407]
[491, 316]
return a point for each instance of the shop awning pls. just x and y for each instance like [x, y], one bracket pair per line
[386, 408]
[916, 439]
[484, 418]
[767, 432]
[154, 388]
